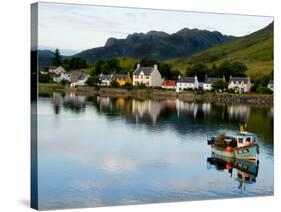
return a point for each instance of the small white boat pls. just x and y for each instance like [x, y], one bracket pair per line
[242, 146]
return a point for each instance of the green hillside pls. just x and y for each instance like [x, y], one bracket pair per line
[127, 63]
[255, 50]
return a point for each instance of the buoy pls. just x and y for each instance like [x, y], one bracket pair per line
[228, 166]
[229, 149]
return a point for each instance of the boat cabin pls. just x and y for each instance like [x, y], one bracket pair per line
[245, 139]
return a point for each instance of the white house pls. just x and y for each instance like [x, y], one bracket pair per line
[270, 85]
[78, 78]
[57, 70]
[148, 76]
[187, 83]
[240, 84]
[207, 84]
[105, 80]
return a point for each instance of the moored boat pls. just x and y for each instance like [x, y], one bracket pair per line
[242, 146]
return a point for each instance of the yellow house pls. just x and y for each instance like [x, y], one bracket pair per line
[122, 79]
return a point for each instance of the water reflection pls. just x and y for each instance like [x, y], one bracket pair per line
[69, 101]
[180, 115]
[113, 151]
[243, 171]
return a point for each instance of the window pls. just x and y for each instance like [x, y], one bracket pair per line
[240, 140]
[147, 77]
[136, 76]
[248, 139]
[245, 151]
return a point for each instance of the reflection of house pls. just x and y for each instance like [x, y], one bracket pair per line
[104, 102]
[148, 107]
[207, 84]
[78, 78]
[240, 84]
[148, 76]
[238, 111]
[187, 83]
[105, 80]
[122, 79]
[169, 84]
[193, 108]
[75, 100]
[270, 85]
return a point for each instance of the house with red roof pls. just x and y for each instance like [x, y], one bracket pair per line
[169, 84]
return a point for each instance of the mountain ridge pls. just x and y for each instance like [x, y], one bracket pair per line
[255, 50]
[158, 45]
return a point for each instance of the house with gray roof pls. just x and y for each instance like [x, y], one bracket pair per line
[148, 76]
[270, 85]
[105, 80]
[57, 70]
[240, 84]
[184, 83]
[78, 78]
[207, 84]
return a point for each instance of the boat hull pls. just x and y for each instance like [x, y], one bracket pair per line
[245, 153]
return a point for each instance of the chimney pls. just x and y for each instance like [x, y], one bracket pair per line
[155, 66]
[138, 66]
[206, 77]
[223, 78]
[179, 76]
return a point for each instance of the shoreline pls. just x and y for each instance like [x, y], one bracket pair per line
[159, 94]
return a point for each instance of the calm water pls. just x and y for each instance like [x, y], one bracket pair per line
[97, 151]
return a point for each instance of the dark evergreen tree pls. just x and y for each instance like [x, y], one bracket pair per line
[57, 59]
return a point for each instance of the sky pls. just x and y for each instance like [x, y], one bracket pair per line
[73, 28]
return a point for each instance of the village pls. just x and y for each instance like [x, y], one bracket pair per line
[150, 77]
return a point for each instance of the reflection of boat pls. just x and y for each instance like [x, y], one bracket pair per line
[241, 146]
[246, 170]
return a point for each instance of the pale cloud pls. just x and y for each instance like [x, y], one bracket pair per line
[80, 27]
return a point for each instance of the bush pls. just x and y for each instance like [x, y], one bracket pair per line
[44, 78]
[219, 85]
[188, 89]
[200, 91]
[264, 90]
[128, 86]
[114, 84]
[141, 86]
[63, 82]
[230, 90]
[92, 80]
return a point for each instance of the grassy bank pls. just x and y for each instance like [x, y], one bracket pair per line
[247, 98]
